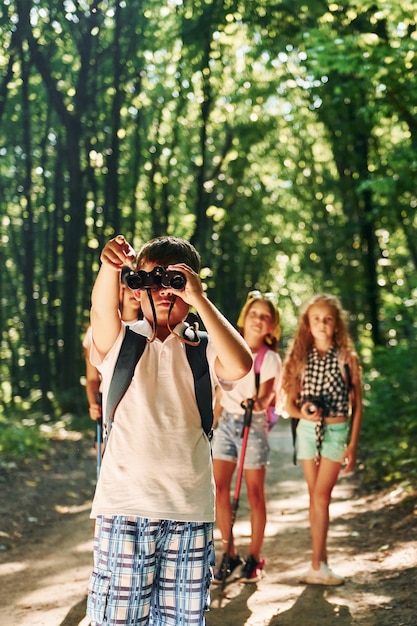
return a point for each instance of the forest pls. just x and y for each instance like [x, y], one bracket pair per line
[279, 137]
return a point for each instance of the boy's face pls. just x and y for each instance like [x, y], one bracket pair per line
[162, 301]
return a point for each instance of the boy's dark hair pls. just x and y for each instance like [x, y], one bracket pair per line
[168, 250]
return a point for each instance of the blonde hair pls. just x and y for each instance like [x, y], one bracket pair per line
[271, 339]
[295, 359]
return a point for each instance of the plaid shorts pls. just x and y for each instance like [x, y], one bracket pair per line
[150, 572]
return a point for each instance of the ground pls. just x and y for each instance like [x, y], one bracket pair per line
[46, 546]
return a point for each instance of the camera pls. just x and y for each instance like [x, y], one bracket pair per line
[158, 278]
[316, 403]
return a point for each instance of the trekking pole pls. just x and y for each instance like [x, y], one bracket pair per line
[98, 423]
[235, 503]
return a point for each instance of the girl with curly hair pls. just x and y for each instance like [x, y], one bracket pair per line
[322, 386]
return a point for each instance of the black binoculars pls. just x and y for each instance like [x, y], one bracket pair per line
[158, 278]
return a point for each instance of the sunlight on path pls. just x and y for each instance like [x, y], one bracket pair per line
[46, 584]
[61, 576]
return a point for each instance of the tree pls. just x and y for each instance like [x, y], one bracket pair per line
[279, 138]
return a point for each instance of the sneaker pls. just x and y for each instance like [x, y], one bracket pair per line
[252, 571]
[233, 566]
[322, 576]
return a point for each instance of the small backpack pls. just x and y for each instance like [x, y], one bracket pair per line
[271, 411]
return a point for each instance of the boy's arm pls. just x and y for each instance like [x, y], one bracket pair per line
[234, 359]
[105, 315]
[92, 388]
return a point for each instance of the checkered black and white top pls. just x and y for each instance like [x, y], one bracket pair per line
[323, 378]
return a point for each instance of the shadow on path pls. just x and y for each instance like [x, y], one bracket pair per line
[235, 613]
[76, 614]
[313, 609]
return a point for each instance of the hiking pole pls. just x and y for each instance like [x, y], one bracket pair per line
[98, 423]
[235, 503]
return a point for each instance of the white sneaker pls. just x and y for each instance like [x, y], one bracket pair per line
[322, 576]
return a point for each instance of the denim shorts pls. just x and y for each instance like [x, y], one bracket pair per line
[227, 440]
[150, 572]
[334, 443]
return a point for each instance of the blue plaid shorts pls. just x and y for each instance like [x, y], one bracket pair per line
[150, 572]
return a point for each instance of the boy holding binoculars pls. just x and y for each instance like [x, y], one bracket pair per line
[154, 500]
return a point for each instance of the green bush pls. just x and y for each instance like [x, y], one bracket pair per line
[21, 438]
[388, 444]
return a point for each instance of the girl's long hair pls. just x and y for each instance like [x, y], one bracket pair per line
[296, 356]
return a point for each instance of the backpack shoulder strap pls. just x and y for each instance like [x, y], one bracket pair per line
[131, 350]
[197, 359]
[345, 370]
[351, 392]
[348, 376]
[259, 359]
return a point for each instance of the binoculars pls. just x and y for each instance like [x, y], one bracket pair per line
[158, 278]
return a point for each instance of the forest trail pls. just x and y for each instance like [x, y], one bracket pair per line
[46, 547]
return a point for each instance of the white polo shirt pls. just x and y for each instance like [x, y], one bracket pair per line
[157, 462]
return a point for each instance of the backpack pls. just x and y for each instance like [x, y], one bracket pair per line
[271, 411]
[132, 349]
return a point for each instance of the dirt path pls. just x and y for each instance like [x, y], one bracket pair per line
[46, 545]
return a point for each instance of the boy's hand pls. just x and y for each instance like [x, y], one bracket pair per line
[105, 314]
[117, 252]
[193, 289]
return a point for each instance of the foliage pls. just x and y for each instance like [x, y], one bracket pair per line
[20, 437]
[25, 436]
[388, 446]
[280, 138]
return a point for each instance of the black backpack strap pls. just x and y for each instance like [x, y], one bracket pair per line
[257, 381]
[348, 376]
[131, 350]
[197, 359]
[294, 424]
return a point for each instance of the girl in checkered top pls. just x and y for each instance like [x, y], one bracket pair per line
[322, 386]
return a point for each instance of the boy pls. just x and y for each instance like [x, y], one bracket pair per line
[154, 501]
